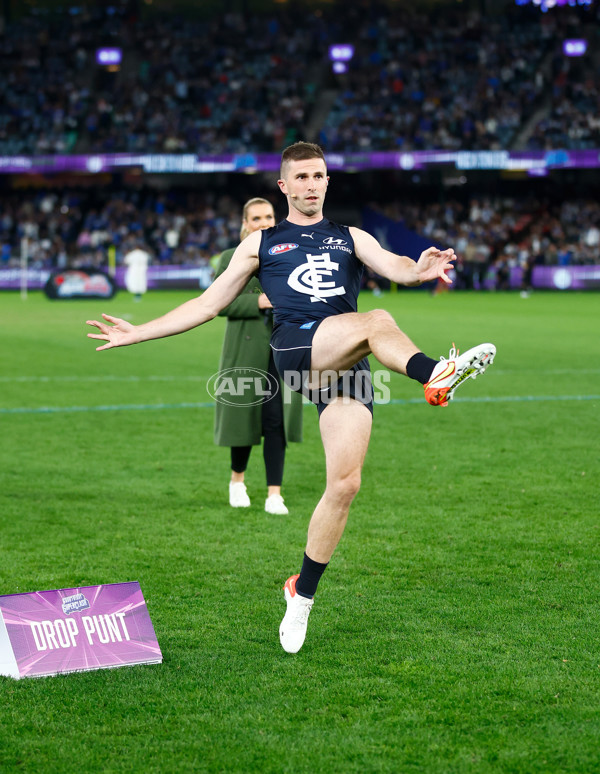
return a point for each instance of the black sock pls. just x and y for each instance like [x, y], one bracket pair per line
[420, 367]
[310, 575]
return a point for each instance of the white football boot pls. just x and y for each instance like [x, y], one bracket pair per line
[292, 629]
[449, 374]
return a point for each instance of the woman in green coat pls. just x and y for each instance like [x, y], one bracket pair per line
[247, 346]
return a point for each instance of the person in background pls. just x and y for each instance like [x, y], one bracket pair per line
[247, 345]
[136, 276]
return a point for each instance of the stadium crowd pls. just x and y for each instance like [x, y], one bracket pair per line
[573, 118]
[76, 228]
[250, 82]
[458, 85]
[80, 227]
[228, 85]
[491, 235]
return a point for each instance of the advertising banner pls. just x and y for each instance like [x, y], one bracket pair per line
[72, 630]
[530, 161]
[163, 277]
[80, 283]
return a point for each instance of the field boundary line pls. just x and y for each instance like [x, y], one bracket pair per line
[210, 404]
[194, 378]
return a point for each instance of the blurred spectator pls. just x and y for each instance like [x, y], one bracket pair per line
[463, 82]
[235, 84]
[492, 235]
[77, 227]
[136, 276]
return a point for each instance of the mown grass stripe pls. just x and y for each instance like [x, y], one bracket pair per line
[196, 378]
[395, 402]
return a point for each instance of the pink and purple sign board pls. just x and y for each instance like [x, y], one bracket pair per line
[73, 630]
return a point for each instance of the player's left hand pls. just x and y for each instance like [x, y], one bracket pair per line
[434, 263]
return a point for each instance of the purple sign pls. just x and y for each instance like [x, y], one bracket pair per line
[566, 277]
[159, 277]
[190, 163]
[73, 630]
[163, 277]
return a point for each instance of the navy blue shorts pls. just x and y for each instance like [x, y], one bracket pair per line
[292, 350]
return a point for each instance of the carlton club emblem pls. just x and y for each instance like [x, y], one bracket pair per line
[312, 278]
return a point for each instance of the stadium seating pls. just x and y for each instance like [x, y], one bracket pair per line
[256, 83]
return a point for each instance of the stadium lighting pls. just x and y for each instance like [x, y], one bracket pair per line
[341, 52]
[574, 47]
[340, 67]
[109, 56]
[546, 5]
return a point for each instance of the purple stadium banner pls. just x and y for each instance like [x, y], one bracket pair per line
[73, 630]
[168, 163]
[161, 277]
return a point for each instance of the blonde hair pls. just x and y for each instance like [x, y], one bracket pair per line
[250, 203]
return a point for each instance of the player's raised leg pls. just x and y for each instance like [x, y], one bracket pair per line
[341, 341]
[345, 430]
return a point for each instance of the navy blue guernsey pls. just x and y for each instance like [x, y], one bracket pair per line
[309, 272]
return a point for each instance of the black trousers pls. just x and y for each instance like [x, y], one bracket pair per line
[274, 435]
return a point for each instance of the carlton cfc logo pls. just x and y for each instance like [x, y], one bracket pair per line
[315, 278]
[283, 248]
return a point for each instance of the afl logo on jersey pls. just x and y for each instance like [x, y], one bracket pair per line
[283, 248]
[334, 241]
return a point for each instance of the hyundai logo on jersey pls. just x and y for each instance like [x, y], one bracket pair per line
[333, 241]
[283, 248]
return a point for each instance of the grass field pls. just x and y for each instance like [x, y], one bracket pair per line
[457, 628]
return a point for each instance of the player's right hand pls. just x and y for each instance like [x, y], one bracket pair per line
[119, 334]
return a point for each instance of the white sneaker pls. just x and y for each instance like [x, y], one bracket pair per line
[448, 374]
[292, 629]
[238, 496]
[274, 504]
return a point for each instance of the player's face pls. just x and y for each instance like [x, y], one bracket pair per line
[305, 185]
[259, 217]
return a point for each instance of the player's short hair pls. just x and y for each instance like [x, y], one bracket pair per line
[300, 151]
[257, 200]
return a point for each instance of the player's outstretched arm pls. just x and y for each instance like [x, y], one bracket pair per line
[120, 333]
[432, 264]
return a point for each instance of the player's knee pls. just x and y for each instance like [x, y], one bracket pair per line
[381, 318]
[345, 488]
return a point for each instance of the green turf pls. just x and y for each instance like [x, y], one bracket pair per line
[457, 628]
